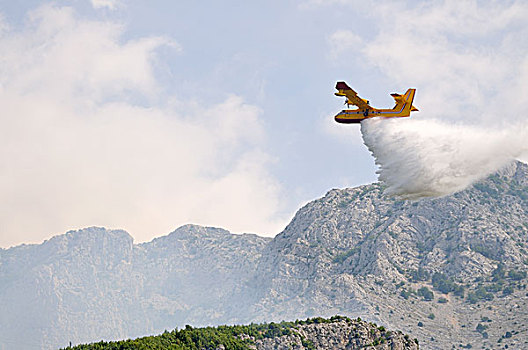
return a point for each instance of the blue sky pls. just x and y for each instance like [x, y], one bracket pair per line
[150, 115]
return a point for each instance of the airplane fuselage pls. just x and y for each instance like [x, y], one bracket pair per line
[349, 116]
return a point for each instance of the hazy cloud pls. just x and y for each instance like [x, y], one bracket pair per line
[76, 150]
[110, 4]
[343, 40]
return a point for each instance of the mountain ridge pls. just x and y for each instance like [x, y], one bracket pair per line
[347, 252]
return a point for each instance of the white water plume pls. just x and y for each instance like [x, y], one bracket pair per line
[426, 158]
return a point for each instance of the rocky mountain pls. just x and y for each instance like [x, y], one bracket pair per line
[96, 284]
[450, 271]
[436, 268]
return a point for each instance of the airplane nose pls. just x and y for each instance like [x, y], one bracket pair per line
[338, 117]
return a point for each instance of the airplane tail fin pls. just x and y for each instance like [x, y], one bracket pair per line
[409, 97]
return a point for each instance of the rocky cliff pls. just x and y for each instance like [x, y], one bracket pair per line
[349, 335]
[450, 271]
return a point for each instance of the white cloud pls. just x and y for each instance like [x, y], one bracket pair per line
[78, 58]
[307, 4]
[342, 41]
[75, 150]
[110, 4]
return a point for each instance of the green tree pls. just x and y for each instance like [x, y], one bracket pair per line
[516, 275]
[425, 293]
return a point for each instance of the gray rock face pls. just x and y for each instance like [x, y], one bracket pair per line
[95, 284]
[353, 335]
[354, 252]
[348, 252]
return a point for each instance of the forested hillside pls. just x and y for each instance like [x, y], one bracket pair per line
[336, 333]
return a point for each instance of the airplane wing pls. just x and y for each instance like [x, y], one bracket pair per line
[397, 97]
[351, 95]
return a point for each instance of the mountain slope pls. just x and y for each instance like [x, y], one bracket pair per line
[351, 250]
[96, 284]
[435, 268]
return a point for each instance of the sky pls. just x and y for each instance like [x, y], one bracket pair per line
[146, 116]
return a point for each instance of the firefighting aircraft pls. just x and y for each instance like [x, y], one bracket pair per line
[364, 111]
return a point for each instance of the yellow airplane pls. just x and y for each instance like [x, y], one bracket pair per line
[364, 111]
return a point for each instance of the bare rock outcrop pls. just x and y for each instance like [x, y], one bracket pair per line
[340, 335]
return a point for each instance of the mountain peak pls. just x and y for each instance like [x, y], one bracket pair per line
[96, 237]
[515, 170]
[192, 229]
